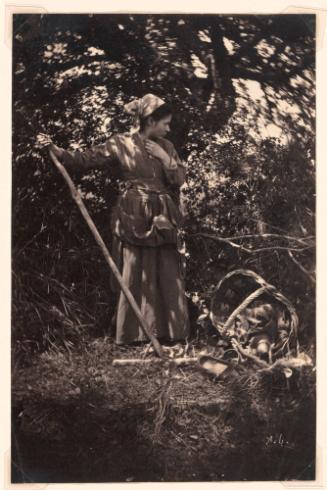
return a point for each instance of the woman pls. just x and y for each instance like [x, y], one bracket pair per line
[145, 221]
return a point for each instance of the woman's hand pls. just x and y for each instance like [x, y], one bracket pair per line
[156, 151]
[44, 141]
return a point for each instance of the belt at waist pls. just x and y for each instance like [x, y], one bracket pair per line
[148, 185]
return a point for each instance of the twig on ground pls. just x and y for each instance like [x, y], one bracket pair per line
[179, 361]
[293, 362]
[247, 354]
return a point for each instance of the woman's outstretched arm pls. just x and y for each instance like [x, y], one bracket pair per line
[94, 157]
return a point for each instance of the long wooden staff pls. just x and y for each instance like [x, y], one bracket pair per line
[130, 298]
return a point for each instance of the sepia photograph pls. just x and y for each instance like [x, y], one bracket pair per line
[163, 247]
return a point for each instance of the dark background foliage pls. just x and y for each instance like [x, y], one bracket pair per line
[71, 76]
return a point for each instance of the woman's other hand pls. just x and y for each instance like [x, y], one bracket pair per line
[156, 151]
[44, 141]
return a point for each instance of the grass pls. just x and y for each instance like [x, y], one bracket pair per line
[77, 418]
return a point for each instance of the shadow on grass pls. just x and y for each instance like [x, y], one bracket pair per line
[76, 418]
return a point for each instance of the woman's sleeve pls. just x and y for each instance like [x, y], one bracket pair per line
[95, 157]
[176, 171]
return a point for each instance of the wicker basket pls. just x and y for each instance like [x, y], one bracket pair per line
[235, 306]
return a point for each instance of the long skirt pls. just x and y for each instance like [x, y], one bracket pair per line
[154, 276]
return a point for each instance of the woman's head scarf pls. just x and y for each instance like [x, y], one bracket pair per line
[143, 107]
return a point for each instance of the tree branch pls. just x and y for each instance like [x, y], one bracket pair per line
[269, 76]
[300, 266]
[248, 250]
[271, 235]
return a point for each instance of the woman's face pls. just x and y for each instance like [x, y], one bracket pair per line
[160, 128]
